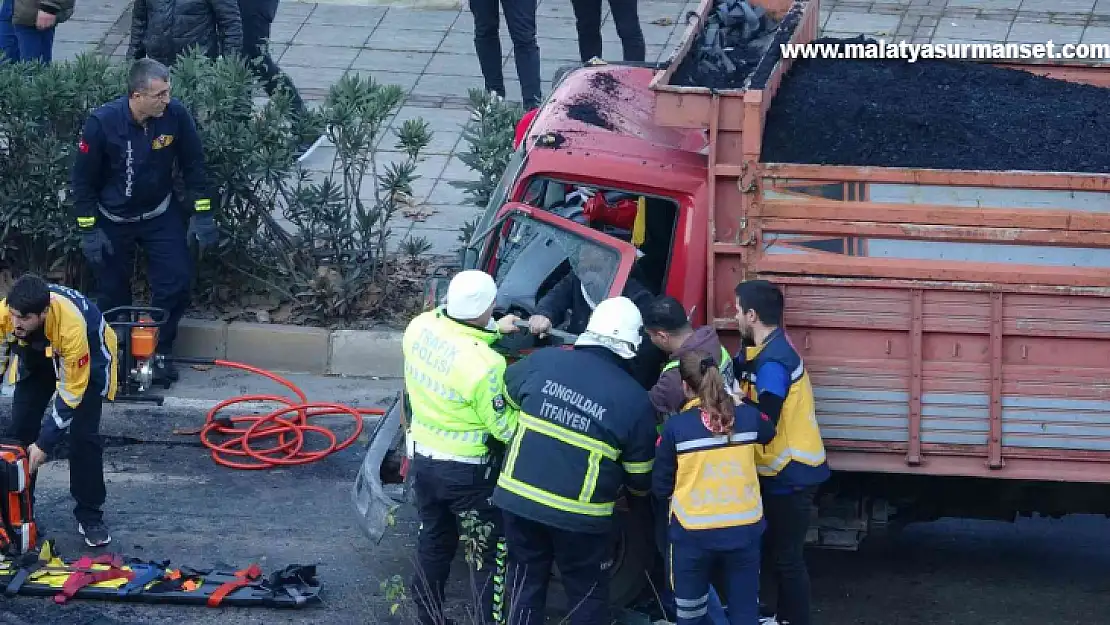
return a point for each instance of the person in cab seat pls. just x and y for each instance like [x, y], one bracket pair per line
[793, 465]
[705, 467]
[585, 429]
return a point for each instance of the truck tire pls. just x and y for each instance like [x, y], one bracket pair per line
[633, 554]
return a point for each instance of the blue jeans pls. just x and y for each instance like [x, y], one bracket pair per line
[692, 567]
[24, 43]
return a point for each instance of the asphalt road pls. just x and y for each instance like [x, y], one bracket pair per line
[168, 500]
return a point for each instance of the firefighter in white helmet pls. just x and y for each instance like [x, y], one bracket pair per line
[586, 428]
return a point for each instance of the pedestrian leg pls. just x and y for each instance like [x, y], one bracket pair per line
[169, 268]
[9, 45]
[741, 568]
[257, 20]
[587, 20]
[487, 44]
[579, 557]
[86, 465]
[628, 29]
[470, 492]
[531, 553]
[520, 17]
[690, 568]
[35, 44]
[436, 543]
[788, 523]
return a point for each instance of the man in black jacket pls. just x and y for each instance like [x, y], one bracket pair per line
[123, 195]
[163, 29]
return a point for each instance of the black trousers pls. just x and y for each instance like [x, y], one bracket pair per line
[784, 565]
[533, 548]
[258, 16]
[520, 17]
[587, 15]
[445, 492]
[169, 268]
[86, 448]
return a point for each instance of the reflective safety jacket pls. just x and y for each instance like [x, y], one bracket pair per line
[796, 456]
[455, 382]
[667, 394]
[586, 428]
[75, 344]
[711, 479]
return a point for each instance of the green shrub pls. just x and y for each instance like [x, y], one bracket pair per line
[295, 245]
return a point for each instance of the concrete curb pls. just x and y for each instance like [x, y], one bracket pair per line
[294, 349]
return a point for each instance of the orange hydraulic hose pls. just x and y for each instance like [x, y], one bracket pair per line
[288, 425]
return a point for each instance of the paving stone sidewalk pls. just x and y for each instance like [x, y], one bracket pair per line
[430, 54]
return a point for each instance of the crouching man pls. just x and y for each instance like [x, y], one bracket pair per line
[64, 360]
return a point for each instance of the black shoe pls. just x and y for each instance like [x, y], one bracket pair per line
[164, 370]
[96, 534]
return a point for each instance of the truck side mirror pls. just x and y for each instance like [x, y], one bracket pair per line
[435, 285]
[468, 258]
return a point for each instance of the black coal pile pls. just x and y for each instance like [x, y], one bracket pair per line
[735, 36]
[935, 114]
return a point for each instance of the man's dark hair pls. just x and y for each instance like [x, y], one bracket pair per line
[29, 295]
[764, 298]
[143, 72]
[665, 313]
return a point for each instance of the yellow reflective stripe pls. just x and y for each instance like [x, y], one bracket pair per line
[86, 222]
[202, 205]
[477, 437]
[717, 520]
[567, 436]
[514, 451]
[779, 462]
[589, 484]
[638, 467]
[551, 500]
[725, 357]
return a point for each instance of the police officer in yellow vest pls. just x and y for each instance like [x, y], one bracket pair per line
[793, 465]
[705, 470]
[456, 387]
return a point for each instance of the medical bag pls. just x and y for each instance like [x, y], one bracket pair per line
[18, 534]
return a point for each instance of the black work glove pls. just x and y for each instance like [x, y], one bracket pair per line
[95, 245]
[203, 227]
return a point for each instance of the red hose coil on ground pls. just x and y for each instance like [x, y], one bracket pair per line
[288, 425]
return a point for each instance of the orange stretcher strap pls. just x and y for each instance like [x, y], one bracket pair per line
[245, 577]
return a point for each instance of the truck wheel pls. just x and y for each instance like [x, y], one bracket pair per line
[633, 554]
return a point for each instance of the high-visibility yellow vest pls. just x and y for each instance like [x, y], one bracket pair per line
[725, 366]
[716, 484]
[456, 386]
[798, 437]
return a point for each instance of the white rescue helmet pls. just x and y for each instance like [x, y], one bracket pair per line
[615, 324]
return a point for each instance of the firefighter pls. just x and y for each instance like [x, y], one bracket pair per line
[65, 359]
[793, 465]
[460, 416]
[123, 185]
[705, 468]
[586, 428]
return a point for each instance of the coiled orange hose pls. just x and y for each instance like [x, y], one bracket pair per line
[289, 430]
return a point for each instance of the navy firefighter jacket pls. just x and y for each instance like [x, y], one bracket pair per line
[127, 169]
[586, 428]
[711, 479]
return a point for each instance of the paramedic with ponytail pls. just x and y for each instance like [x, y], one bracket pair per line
[705, 465]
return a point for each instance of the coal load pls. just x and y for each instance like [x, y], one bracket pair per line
[735, 37]
[935, 114]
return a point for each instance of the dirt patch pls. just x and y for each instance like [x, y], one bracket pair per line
[606, 84]
[736, 35]
[589, 110]
[935, 114]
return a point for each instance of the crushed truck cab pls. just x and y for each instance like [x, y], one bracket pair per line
[954, 321]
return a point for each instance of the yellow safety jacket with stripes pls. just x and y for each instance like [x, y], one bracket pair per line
[711, 479]
[455, 382]
[586, 428]
[796, 455]
[77, 343]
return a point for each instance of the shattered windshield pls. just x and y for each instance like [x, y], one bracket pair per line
[530, 252]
